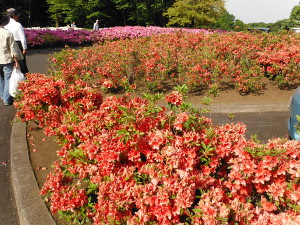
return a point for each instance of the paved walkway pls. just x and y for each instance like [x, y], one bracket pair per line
[17, 180]
[8, 210]
[29, 205]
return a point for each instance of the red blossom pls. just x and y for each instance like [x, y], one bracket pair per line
[125, 160]
[174, 98]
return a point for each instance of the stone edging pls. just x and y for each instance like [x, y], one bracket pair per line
[30, 205]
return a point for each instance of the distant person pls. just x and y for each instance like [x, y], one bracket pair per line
[17, 29]
[96, 25]
[73, 24]
[9, 56]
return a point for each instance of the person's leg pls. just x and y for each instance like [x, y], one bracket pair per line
[23, 66]
[1, 81]
[7, 98]
[22, 63]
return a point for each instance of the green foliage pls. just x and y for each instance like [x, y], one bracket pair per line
[183, 89]
[139, 12]
[214, 90]
[195, 13]
[298, 124]
[226, 21]
[57, 10]
[143, 12]
[127, 12]
[230, 116]
[206, 100]
[50, 40]
[294, 20]
[280, 25]
[153, 98]
[207, 152]
[81, 11]
[141, 178]
[261, 152]
[259, 24]
[240, 25]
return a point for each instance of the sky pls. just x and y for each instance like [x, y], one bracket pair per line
[268, 11]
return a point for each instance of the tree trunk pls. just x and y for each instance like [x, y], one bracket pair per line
[29, 13]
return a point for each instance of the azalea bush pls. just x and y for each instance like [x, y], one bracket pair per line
[59, 37]
[198, 60]
[47, 37]
[127, 161]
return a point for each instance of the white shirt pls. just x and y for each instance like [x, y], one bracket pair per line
[8, 47]
[18, 32]
[96, 26]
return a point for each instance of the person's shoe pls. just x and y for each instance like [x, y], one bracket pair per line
[7, 104]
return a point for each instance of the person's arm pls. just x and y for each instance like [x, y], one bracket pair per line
[22, 38]
[16, 64]
[15, 50]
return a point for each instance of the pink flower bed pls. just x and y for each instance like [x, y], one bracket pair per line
[50, 37]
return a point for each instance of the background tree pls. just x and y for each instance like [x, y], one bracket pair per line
[294, 20]
[225, 21]
[33, 12]
[58, 10]
[259, 24]
[143, 12]
[83, 12]
[39, 16]
[280, 25]
[239, 25]
[195, 13]
[184, 13]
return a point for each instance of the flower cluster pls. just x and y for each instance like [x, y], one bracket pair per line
[198, 60]
[61, 36]
[124, 160]
[174, 98]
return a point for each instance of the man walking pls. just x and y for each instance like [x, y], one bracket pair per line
[18, 32]
[96, 25]
[9, 56]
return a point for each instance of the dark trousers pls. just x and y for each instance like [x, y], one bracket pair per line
[22, 63]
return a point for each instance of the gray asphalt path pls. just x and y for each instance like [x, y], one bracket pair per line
[266, 125]
[8, 212]
[36, 61]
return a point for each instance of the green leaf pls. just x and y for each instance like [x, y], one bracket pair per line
[197, 210]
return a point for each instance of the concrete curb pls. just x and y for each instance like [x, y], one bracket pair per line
[31, 208]
[240, 108]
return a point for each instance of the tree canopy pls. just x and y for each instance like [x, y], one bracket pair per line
[81, 11]
[184, 13]
[144, 12]
[225, 21]
[195, 13]
[294, 20]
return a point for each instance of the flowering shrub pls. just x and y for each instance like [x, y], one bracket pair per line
[198, 60]
[127, 161]
[51, 100]
[49, 37]
[62, 36]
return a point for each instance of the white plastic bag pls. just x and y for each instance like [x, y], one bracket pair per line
[16, 77]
